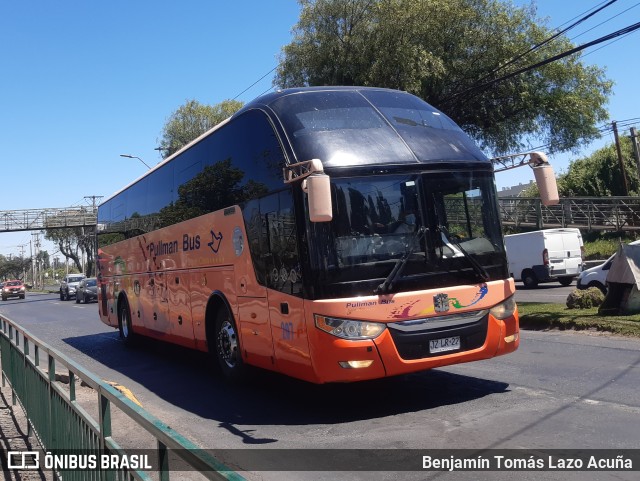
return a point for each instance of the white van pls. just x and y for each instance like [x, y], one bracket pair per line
[597, 276]
[545, 256]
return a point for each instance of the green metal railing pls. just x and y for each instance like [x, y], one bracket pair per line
[60, 423]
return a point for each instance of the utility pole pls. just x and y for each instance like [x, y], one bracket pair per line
[636, 148]
[33, 264]
[93, 199]
[35, 259]
[93, 234]
[24, 271]
[625, 187]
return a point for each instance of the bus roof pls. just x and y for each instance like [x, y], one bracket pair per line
[353, 126]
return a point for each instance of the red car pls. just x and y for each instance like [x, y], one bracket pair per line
[13, 289]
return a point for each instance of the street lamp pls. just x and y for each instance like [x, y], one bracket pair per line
[135, 157]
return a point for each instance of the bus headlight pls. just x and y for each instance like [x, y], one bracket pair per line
[504, 309]
[347, 329]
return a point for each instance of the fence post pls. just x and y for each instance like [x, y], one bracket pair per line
[13, 336]
[51, 434]
[105, 430]
[25, 385]
[163, 461]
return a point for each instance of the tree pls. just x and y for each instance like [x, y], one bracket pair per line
[599, 174]
[191, 120]
[14, 268]
[448, 53]
[72, 242]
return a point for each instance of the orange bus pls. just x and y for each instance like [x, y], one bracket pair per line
[332, 234]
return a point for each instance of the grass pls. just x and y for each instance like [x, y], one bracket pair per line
[600, 249]
[542, 316]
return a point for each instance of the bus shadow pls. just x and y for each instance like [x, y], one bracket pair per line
[183, 378]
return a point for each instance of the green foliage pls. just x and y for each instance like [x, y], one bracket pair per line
[72, 241]
[14, 268]
[191, 120]
[585, 299]
[443, 51]
[600, 249]
[599, 174]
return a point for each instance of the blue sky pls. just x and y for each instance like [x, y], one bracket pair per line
[83, 82]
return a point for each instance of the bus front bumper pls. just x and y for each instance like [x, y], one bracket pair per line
[392, 354]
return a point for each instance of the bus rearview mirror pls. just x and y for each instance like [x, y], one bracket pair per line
[319, 191]
[547, 186]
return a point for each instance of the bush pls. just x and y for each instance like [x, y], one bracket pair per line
[585, 299]
[600, 249]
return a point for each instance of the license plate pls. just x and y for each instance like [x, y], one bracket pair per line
[444, 344]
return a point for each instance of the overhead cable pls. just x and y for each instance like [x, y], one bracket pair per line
[254, 83]
[618, 33]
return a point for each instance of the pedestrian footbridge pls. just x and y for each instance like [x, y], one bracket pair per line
[587, 213]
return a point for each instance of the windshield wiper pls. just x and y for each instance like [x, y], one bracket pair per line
[479, 270]
[387, 285]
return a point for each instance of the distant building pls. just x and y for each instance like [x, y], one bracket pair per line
[514, 191]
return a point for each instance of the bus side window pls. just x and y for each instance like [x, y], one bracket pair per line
[273, 243]
[284, 266]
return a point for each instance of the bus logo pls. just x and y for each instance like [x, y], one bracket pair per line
[215, 241]
[441, 302]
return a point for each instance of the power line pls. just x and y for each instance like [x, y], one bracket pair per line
[618, 33]
[607, 20]
[550, 39]
[254, 83]
[607, 44]
[604, 130]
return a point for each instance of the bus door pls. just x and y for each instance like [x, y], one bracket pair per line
[284, 282]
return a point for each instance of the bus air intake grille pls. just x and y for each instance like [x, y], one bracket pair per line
[413, 338]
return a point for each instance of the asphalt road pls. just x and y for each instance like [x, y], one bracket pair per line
[558, 391]
[551, 292]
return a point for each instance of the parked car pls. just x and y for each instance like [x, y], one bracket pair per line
[68, 286]
[13, 289]
[545, 256]
[597, 276]
[87, 290]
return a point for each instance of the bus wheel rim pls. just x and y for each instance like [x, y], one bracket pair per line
[227, 344]
[125, 325]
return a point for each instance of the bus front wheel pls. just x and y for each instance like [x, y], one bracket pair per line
[124, 323]
[227, 346]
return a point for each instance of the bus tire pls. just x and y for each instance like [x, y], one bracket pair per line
[124, 323]
[226, 343]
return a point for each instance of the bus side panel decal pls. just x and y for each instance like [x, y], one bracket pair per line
[290, 338]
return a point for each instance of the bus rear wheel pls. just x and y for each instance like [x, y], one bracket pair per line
[124, 323]
[227, 347]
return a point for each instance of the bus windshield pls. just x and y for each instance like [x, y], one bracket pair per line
[349, 128]
[441, 226]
